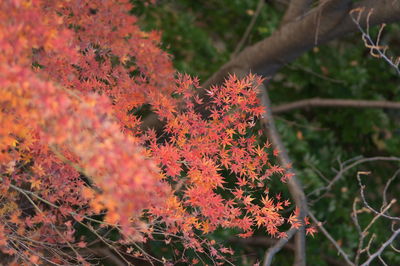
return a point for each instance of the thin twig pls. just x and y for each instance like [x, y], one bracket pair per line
[318, 102]
[365, 201]
[249, 28]
[377, 216]
[295, 66]
[270, 253]
[376, 50]
[384, 203]
[343, 170]
[382, 248]
[57, 231]
[330, 238]
[362, 236]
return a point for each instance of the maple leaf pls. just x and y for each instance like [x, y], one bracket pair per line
[267, 202]
[311, 231]
[35, 183]
[282, 235]
[81, 244]
[241, 182]
[38, 169]
[226, 250]
[34, 259]
[205, 227]
[247, 200]
[15, 218]
[213, 252]
[260, 221]
[129, 250]
[246, 234]
[294, 221]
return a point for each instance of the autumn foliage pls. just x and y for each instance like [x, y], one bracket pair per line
[75, 79]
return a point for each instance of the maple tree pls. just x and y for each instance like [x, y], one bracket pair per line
[325, 112]
[73, 86]
[324, 106]
[107, 151]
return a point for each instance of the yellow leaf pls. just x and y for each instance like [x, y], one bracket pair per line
[35, 183]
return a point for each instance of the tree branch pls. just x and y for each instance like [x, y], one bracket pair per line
[346, 167]
[296, 9]
[333, 241]
[364, 200]
[268, 242]
[261, 241]
[270, 253]
[327, 21]
[239, 47]
[376, 49]
[318, 102]
[294, 186]
[382, 248]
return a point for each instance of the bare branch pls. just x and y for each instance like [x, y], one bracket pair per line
[362, 236]
[261, 241]
[293, 39]
[388, 183]
[268, 242]
[344, 168]
[318, 102]
[294, 185]
[378, 215]
[364, 233]
[376, 50]
[294, 66]
[270, 253]
[382, 248]
[333, 241]
[106, 254]
[365, 201]
[239, 47]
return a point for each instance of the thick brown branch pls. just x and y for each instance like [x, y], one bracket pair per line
[328, 21]
[318, 102]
